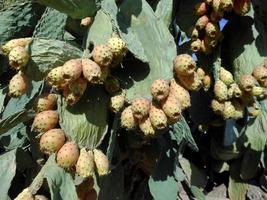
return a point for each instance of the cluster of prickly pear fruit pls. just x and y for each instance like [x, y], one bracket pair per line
[74, 76]
[170, 98]
[18, 57]
[231, 98]
[206, 33]
[27, 194]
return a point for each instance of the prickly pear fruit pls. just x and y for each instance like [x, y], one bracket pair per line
[70, 97]
[101, 162]
[87, 21]
[157, 117]
[216, 5]
[117, 46]
[18, 57]
[45, 121]
[40, 197]
[194, 34]
[128, 120]
[242, 7]
[85, 165]
[55, 76]
[180, 93]
[52, 140]
[146, 127]
[68, 155]
[206, 82]
[260, 74]
[221, 91]
[258, 91]
[112, 85]
[227, 5]
[212, 29]
[78, 86]
[18, 85]
[172, 108]
[45, 102]
[226, 76]
[140, 107]
[117, 101]
[22, 42]
[160, 89]
[72, 70]
[192, 82]
[247, 82]
[102, 55]
[91, 71]
[234, 91]
[202, 22]
[196, 45]
[217, 106]
[229, 110]
[201, 9]
[200, 73]
[184, 65]
[26, 194]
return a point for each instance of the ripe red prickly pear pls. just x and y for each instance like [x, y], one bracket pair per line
[101, 162]
[140, 107]
[128, 120]
[18, 57]
[157, 117]
[52, 140]
[45, 102]
[22, 42]
[160, 89]
[85, 165]
[102, 55]
[18, 85]
[184, 65]
[45, 121]
[91, 71]
[68, 155]
[72, 70]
